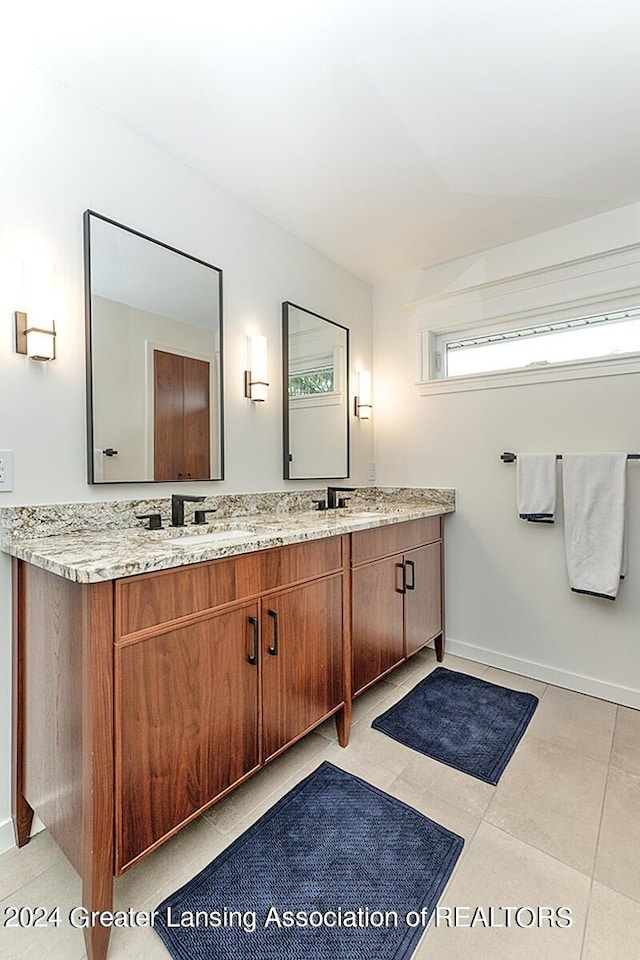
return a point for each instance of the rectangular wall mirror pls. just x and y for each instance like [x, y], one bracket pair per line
[316, 396]
[154, 359]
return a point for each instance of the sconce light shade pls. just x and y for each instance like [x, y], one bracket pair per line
[34, 342]
[363, 405]
[256, 385]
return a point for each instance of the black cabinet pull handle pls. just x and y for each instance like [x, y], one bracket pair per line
[274, 649]
[412, 585]
[403, 588]
[253, 659]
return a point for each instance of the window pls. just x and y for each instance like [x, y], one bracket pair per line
[313, 377]
[578, 340]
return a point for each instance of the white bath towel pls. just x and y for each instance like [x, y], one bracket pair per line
[98, 465]
[594, 521]
[536, 482]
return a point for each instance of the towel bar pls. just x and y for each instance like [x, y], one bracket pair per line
[508, 457]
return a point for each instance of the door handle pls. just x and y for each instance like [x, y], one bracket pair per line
[412, 585]
[273, 650]
[253, 658]
[403, 588]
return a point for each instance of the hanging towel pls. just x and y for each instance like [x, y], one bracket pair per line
[536, 481]
[594, 521]
[98, 465]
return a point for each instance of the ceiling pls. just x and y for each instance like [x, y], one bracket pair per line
[388, 134]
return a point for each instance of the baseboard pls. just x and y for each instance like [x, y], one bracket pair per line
[7, 839]
[616, 693]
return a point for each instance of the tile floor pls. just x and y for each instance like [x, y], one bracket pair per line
[562, 828]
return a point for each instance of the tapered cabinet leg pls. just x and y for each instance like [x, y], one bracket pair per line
[439, 645]
[97, 760]
[21, 811]
[97, 894]
[343, 724]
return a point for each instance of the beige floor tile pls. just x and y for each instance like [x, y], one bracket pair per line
[626, 741]
[613, 927]
[514, 681]
[551, 798]
[434, 807]
[18, 866]
[137, 943]
[501, 871]
[450, 785]
[376, 747]
[226, 814]
[139, 885]
[352, 762]
[413, 670]
[618, 860]
[471, 667]
[575, 721]
[57, 886]
[370, 698]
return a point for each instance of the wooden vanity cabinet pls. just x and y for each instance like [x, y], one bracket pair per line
[302, 661]
[140, 702]
[186, 725]
[397, 593]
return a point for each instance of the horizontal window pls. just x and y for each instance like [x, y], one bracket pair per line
[310, 378]
[582, 339]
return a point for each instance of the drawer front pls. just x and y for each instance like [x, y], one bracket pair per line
[395, 538]
[151, 599]
[272, 569]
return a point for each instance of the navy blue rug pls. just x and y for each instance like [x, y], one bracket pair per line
[467, 723]
[336, 870]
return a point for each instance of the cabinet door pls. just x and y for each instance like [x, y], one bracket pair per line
[302, 660]
[423, 599]
[377, 620]
[186, 724]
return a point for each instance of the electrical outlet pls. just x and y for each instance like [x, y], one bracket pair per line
[6, 471]
[371, 475]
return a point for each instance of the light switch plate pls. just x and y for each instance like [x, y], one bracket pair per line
[6, 471]
[371, 472]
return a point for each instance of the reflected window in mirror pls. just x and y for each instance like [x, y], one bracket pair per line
[315, 396]
[154, 359]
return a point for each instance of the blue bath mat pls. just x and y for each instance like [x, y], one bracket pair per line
[467, 723]
[336, 870]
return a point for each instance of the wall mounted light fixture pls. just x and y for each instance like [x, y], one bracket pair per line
[363, 405]
[256, 385]
[37, 343]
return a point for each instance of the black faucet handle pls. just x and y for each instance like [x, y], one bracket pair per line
[155, 520]
[320, 504]
[200, 516]
[342, 501]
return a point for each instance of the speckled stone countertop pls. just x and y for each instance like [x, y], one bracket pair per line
[91, 542]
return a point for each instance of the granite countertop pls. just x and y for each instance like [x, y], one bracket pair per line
[90, 556]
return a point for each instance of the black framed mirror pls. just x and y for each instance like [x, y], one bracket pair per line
[154, 359]
[315, 402]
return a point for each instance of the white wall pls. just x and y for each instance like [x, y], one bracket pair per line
[508, 602]
[61, 156]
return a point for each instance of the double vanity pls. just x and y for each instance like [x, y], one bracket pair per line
[156, 670]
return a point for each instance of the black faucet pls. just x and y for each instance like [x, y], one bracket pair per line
[332, 501]
[178, 501]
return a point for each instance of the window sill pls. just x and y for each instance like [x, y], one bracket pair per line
[612, 367]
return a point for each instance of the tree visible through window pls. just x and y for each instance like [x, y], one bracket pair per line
[312, 380]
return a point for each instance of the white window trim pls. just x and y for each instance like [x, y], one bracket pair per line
[545, 312]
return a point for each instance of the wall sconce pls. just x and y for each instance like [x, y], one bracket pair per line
[34, 342]
[363, 405]
[256, 385]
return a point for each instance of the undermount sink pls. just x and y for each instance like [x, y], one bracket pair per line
[218, 536]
